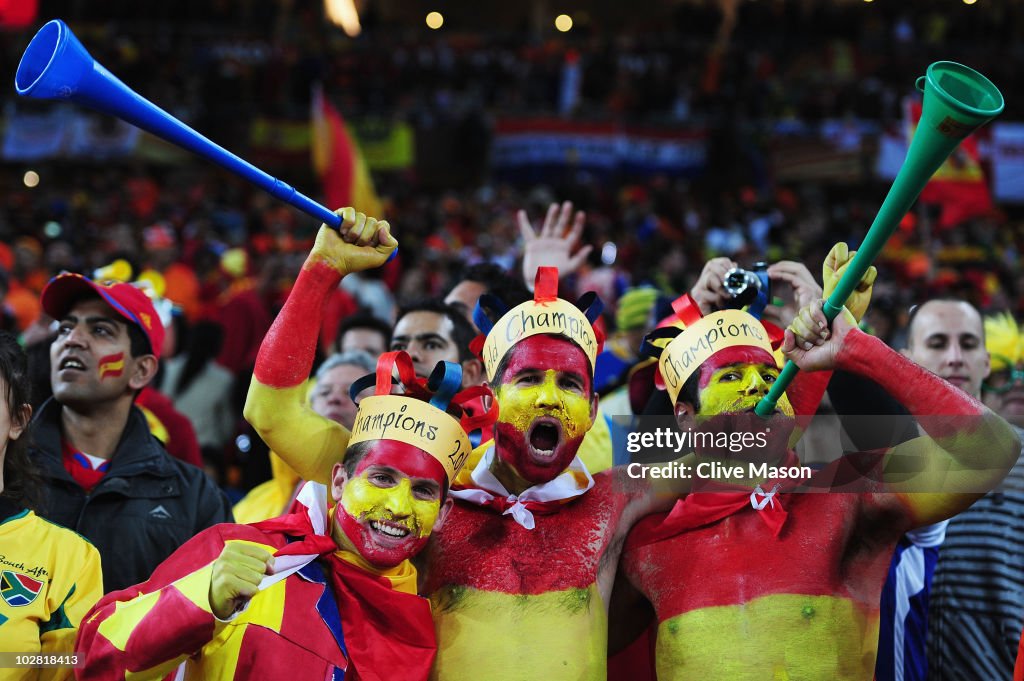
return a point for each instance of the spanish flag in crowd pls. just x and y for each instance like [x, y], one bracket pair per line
[339, 162]
[958, 186]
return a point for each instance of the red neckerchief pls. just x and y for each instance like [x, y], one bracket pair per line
[389, 634]
[702, 507]
[80, 467]
[297, 524]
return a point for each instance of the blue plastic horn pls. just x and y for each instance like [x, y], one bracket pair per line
[56, 66]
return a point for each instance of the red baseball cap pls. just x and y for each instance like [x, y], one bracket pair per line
[127, 300]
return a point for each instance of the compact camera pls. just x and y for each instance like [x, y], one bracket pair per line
[747, 286]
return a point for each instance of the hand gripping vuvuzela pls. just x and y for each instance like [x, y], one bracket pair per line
[957, 100]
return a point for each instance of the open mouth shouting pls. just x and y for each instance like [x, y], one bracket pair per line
[543, 439]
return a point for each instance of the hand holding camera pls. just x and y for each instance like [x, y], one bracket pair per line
[709, 292]
[723, 284]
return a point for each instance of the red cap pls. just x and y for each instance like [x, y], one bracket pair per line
[129, 301]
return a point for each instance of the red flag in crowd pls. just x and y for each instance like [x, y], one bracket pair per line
[959, 186]
[339, 162]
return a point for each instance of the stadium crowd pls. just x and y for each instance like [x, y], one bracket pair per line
[229, 272]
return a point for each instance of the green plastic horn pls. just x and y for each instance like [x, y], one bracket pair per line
[957, 100]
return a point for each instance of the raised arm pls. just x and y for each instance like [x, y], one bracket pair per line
[275, 405]
[968, 449]
[553, 245]
[808, 388]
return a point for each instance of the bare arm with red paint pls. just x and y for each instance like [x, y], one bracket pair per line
[275, 405]
[808, 388]
[968, 449]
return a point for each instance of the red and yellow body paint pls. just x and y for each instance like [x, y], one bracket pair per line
[276, 404]
[719, 331]
[365, 501]
[732, 601]
[735, 380]
[111, 366]
[835, 640]
[493, 580]
[546, 315]
[560, 635]
[521, 405]
[296, 328]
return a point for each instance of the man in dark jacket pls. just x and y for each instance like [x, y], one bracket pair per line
[106, 476]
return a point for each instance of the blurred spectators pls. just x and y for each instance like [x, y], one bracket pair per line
[760, 84]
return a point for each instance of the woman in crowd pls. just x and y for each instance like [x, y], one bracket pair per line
[49, 576]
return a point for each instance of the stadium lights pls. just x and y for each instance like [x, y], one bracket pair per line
[563, 22]
[343, 13]
[435, 20]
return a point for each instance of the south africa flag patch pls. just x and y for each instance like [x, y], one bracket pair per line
[17, 589]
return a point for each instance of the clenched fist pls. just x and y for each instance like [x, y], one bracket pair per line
[237, 573]
[361, 243]
[809, 341]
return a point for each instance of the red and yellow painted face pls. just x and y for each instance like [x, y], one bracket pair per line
[732, 382]
[390, 505]
[736, 379]
[545, 407]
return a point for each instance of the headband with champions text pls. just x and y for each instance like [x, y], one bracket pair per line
[690, 347]
[545, 314]
[420, 416]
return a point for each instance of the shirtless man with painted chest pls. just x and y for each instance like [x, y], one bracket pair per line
[751, 580]
[521, 578]
[531, 554]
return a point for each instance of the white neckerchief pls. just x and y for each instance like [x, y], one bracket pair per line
[487, 487]
[766, 498]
